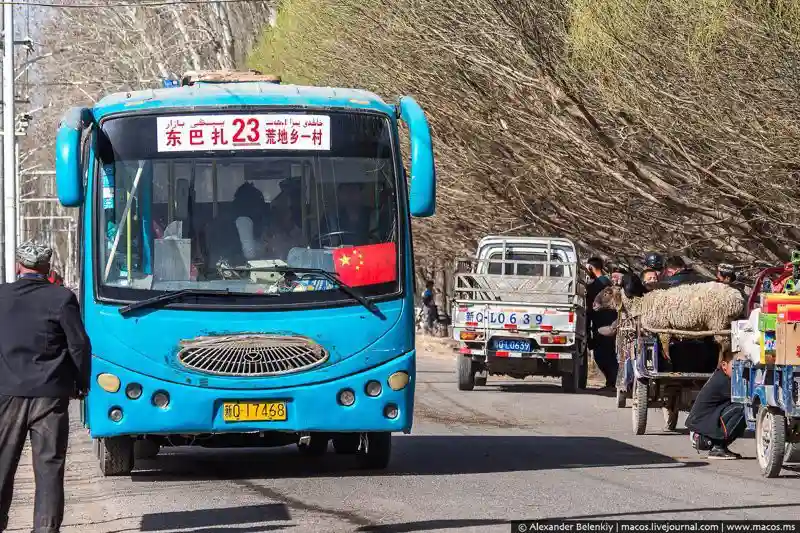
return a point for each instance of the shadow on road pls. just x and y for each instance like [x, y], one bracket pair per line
[209, 520]
[412, 455]
[533, 388]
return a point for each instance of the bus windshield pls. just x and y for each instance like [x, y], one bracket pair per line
[297, 193]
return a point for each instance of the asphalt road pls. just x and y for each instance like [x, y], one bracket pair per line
[511, 450]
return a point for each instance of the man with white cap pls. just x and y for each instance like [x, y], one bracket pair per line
[44, 361]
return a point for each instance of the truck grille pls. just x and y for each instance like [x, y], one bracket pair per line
[251, 355]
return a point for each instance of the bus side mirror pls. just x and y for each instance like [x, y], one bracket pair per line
[69, 182]
[422, 198]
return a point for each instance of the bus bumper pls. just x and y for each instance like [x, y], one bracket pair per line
[196, 410]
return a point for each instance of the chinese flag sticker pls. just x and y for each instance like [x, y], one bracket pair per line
[366, 265]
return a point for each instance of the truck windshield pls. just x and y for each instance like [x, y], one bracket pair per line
[518, 263]
[219, 201]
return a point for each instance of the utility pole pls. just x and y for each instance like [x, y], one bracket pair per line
[2, 185]
[9, 142]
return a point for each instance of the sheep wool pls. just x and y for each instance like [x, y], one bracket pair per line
[710, 306]
[696, 307]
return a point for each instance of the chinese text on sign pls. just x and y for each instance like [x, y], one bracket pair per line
[243, 132]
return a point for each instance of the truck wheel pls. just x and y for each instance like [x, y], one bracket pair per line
[639, 411]
[770, 441]
[115, 456]
[583, 375]
[346, 443]
[145, 449]
[316, 447]
[466, 373]
[570, 382]
[375, 450]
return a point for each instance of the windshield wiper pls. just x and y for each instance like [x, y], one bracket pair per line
[347, 289]
[167, 297]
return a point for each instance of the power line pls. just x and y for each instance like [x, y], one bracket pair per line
[151, 3]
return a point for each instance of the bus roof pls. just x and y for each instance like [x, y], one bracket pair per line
[204, 94]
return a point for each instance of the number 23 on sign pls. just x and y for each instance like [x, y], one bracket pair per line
[243, 132]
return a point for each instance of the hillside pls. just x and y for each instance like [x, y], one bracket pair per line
[626, 125]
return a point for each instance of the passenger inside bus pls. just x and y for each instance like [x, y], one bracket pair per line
[243, 217]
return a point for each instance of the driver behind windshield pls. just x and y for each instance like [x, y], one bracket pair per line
[282, 234]
[232, 236]
[353, 215]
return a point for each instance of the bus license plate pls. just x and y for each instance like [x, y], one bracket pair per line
[512, 345]
[254, 411]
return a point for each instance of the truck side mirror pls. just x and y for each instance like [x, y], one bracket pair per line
[69, 182]
[422, 198]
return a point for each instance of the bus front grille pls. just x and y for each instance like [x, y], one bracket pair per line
[251, 355]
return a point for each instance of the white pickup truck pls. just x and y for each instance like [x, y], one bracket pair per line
[519, 310]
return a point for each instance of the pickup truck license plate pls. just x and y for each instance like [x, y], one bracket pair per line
[512, 345]
[254, 411]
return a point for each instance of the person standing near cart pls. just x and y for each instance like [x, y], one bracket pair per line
[45, 358]
[603, 347]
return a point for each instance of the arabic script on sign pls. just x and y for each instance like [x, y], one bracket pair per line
[243, 132]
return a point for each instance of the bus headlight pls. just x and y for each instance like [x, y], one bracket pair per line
[133, 391]
[373, 388]
[347, 397]
[115, 414]
[398, 381]
[161, 399]
[108, 382]
[391, 411]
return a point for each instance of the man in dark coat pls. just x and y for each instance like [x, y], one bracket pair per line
[603, 347]
[714, 421]
[44, 360]
[678, 273]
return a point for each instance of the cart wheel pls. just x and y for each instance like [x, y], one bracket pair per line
[639, 411]
[466, 373]
[670, 418]
[792, 453]
[621, 398]
[770, 441]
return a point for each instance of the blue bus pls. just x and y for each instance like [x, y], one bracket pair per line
[247, 265]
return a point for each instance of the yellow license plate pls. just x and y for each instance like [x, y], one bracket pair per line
[254, 411]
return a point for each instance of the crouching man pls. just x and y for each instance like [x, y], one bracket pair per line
[714, 421]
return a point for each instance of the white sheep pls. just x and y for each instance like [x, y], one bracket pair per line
[697, 307]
